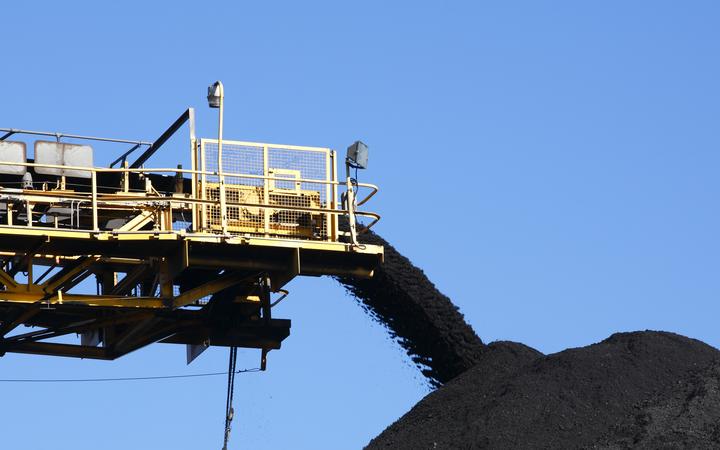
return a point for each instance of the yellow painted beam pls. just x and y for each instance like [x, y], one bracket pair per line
[21, 296]
[208, 288]
[53, 284]
[7, 280]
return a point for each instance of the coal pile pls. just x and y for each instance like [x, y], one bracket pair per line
[646, 390]
[424, 321]
[687, 416]
[632, 390]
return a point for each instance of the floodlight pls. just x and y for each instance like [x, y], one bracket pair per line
[357, 155]
[215, 100]
[215, 94]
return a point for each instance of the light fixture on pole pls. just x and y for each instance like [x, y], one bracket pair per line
[215, 95]
[357, 155]
[357, 158]
[215, 98]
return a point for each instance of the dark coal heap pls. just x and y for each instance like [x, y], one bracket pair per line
[646, 390]
[633, 390]
[688, 416]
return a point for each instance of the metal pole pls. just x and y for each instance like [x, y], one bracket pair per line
[223, 206]
[11, 131]
[350, 198]
[194, 166]
[94, 202]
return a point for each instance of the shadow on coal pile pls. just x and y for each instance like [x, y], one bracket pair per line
[640, 390]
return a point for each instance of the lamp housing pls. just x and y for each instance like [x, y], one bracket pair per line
[214, 96]
[357, 155]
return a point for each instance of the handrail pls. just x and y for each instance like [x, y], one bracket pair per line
[190, 171]
[374, 191]
[266, 144]
[96, 198]
[12, 131]
[133, 199]
[113, 198]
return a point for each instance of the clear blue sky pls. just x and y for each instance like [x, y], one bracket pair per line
[552, 166]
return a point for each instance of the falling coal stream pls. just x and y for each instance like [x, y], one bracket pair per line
[424, 321]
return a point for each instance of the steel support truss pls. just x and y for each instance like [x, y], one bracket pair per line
[167, 296]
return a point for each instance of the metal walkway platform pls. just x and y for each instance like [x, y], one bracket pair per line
[192, 256]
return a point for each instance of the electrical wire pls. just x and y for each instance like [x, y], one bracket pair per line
[229, 411]
[91, 380]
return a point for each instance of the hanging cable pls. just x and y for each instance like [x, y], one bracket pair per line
[90, 380]
[229, 412]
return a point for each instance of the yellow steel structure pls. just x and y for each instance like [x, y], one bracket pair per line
[188, 256]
